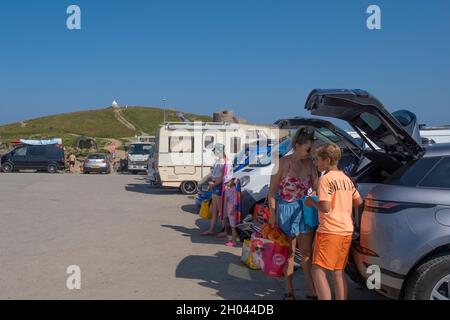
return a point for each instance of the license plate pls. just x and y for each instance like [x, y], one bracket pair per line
[95, 167]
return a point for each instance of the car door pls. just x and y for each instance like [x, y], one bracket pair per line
[368, 117]
[20, 158]
[37, 157]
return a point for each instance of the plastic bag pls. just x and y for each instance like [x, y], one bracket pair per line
[274, 259]
[205, 213]
[245, 250]
[274, 234]
[255, 258]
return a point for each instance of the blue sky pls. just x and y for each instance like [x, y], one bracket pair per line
[259, 58]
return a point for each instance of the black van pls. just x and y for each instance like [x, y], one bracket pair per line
[29, 157]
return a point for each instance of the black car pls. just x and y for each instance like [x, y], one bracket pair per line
[30, 157]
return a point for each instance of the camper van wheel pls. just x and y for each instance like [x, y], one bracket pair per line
[52, 168]
[189, 187]
[7, 167]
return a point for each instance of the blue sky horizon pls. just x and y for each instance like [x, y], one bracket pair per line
[259, 58]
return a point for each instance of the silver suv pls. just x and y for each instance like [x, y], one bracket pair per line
[404, 229]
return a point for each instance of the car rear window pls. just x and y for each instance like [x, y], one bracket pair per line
[412, 174]
[375, 129]
[439, 177]
[96, 156]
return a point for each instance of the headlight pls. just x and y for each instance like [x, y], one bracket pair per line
[245, 180]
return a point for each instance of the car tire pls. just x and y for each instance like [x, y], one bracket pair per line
[52, 168]
[188, 187]
[7, 167]
[424, 283]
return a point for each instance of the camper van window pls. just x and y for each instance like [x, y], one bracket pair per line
[209, 142]
[235, 145]
[181, 144]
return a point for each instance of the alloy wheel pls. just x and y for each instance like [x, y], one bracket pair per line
[441, 290]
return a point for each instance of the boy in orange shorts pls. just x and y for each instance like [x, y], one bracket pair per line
[337, 196]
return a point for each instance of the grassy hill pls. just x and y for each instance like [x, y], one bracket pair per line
[149, 119]
[100, 123]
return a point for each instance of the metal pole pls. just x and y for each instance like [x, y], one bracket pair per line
[164, 108]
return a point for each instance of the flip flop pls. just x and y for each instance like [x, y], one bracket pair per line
[311, 297]
[230, 244]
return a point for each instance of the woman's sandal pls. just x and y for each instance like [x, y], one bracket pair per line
[311, 297]
[289, 296]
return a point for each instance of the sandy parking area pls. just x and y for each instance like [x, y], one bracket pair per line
[130, 241]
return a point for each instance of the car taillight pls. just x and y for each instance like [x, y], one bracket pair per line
[103, 161]
[371, 205]
[365, 251]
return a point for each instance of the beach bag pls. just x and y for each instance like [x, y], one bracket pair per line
[310, 214]
[245, 250]
[255, 258]
[274, 234]
[274, 259]
[261, 213]
[205, 213]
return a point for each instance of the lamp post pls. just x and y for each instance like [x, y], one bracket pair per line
[164, 108]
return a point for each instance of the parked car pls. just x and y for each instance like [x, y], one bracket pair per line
[404, 228]
[34, 157]
[255, 178]
[97, 162]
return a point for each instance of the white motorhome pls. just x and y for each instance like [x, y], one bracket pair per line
[184, 150]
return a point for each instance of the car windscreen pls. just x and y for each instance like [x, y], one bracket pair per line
[260, 155]
[371, 126]
[140, 149]
[96, 157]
